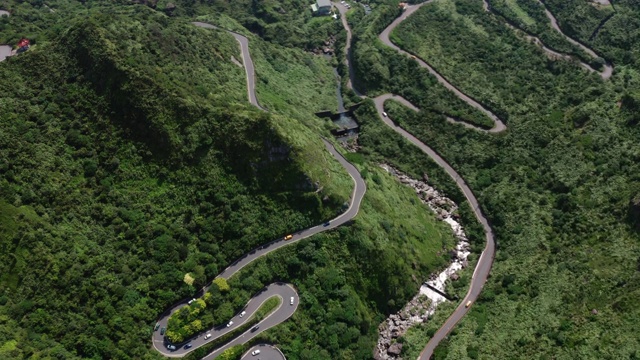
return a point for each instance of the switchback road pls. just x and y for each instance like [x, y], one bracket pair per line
[286, 292]
[485, 261]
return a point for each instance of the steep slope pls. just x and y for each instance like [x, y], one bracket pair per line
[131, 157]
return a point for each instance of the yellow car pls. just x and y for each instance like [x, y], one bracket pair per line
[288, 237]
[468, 304]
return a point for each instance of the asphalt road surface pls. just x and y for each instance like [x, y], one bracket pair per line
[284, 291]
[384, 37]
[486, 258]
[267, 352]
[485, 261]
[607, 70]
[246, 60]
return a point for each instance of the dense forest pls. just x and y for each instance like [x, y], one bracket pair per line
[131, 158]
[560, 187]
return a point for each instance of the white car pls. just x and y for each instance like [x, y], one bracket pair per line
[384, 114]
[254, 353]
[191, 301]
[208, 336]
[342, 2]
[230, 323]
[242, 313]
[291, 302]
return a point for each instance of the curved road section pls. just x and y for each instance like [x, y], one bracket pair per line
[607, 68]
[485, 261]
[267, 352]
[285, 292]
[384, 37]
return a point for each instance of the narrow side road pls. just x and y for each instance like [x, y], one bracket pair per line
[384, 37]
[607, 68]
[288, 295]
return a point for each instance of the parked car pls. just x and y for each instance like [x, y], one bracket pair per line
[188, 346]
[163, 330]
[230, 323]
[291, 302]
[288, 237]
[171, 347]
[242, 313]
[156, 327]
[192, 301]
[256, 352]
[208, 336]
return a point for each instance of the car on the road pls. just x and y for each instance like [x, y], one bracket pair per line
[256, 352]
[156, 327]
[342, 2]
[242, 313]
[171, 347]
[188, 346]
[230, 323]
[384, 114]
[163, 330]
[288, 237]
[255, 328]
[327, 223]
[208, 336]
[291, 302]
[468, 304]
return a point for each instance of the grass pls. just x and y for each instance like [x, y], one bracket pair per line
[268, 306]
[522, 15]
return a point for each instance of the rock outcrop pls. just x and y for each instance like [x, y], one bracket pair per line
[423, 305]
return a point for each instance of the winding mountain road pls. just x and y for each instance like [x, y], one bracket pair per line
[607, 68]
[485, 260]
[284, 291]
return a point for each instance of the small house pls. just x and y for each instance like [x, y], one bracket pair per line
[321, 7]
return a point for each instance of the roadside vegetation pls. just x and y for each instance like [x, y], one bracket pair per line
[123, 171]
[132, 162]
[560, 188]
[612, 31]
[529, 15]
[380, 69]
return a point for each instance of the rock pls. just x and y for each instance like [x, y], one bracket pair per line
[455, 277]
[395, 333]
[594, 312]
[395, 349]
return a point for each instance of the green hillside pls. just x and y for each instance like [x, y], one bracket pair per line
[131, 157]
[560, 188]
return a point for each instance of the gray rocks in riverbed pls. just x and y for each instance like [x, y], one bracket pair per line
[395, 349]
[423, 305]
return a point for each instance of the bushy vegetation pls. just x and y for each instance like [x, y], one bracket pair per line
[122, 171]
[380, 69]
[560, 188]
[612, 30]
[131, 159]
[529, 15]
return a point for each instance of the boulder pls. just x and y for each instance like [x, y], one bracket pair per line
[594, 312]
[395, 349]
